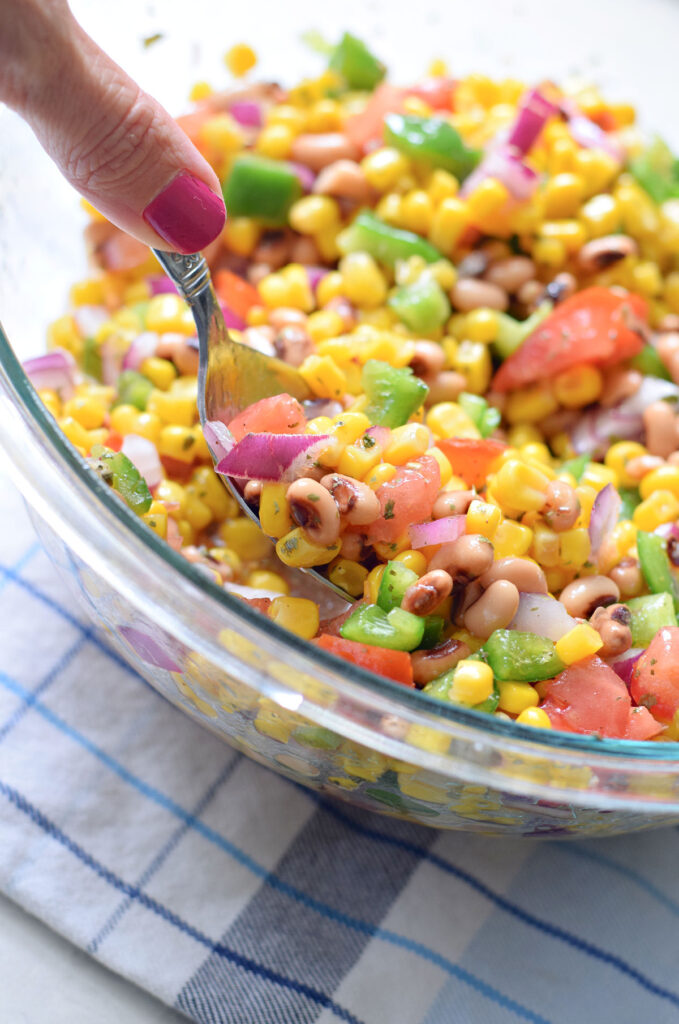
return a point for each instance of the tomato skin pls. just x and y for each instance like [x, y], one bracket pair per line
[236, 293]
[366, 127]
[407, 498]
[470, 458]
[394, 665]
[279, 414]
[655, 678]
[588, 697]
[589, 328]
[641, 725]
[436, 92]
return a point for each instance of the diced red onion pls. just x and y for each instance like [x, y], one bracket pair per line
[160, 284]
[596, 427]
[507, 167]
[316, 274]
[219, 438]
[624, 665]
[651, 389]
[604, 516]
[54, 371]
[305, 174]
[590, 135]
[542, 614]
[380, 435]
[667, 530]
[148, 649]
[143, 347]
[247, 113]
[89, 319]
[231, 319]
[144, 454]
[269, 457]
[314, 407]
[438, 531]
[534, 112]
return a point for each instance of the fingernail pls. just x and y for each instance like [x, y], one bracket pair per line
[187, 214]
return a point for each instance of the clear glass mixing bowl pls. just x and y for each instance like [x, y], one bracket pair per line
[298, 710]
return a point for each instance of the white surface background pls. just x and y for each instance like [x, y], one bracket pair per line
[629, 47]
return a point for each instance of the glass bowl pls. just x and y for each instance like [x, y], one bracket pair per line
[315, 719]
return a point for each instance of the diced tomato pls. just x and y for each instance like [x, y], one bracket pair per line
[178, 470]
[279, 414]
[367, 126]
[394, 665]
[114, 441]
[641, 725]
[595, 326]
[655, 678]
[236, 293]
[436, 92]
[605, 119]
[407, 498]
[589, 697]
[470, 458]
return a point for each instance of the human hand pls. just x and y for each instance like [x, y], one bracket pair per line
[114, 143]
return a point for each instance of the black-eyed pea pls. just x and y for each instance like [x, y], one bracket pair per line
[511, 273]
[613, 626]
[466, 558]
[356, 502]
[452, 503]
[562, 507]
[659, 424]
[428, 665]
[313, 508]
[581, 597]
[469, 293]
[524, 573]
[427, 593]
[495, 609]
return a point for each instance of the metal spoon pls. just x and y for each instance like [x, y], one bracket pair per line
[231, 376]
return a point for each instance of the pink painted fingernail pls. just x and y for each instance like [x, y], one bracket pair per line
[187, 214]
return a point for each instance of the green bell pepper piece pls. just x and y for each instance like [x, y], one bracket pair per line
[630, 500]
[578, 465]
[486, 418]
[393, 394]
[397, 630]
[261, 188]
[92, 359]
[433, 628]
[649, 614]
[433, 140]
[656, 566]
[386, 244]
[354, 62]
[396, 579]
[525, 657]
[440, 688]
[422, 306]
[123, 476]
[650, 364]
[657, 171]
[512, 333]
[133, 389]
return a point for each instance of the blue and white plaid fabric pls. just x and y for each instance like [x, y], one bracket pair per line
[238, 897]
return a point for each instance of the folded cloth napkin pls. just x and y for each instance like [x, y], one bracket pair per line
[236, 896]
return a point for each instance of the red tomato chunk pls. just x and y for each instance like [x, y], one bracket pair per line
[407, 498]
[280, 414]
[655, 679]
[395, 665]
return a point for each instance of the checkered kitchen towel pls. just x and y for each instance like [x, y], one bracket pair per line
[235, 896]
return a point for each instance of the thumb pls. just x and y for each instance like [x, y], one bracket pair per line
[115, 144]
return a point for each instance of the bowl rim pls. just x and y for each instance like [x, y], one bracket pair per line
[34, 414]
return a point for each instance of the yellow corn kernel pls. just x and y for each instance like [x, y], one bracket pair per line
[444, 464]
[407, 443]
[387, 550]
[601, 215]
[263, 579]
[124, 419]
[148, 425]
[671, 292]
[448, 223]
[186, 531]
[536, 717]
[241, 235]
[240, 59]
[665, 478]
[274, 514]
[578, 387]
[257, 316]
[598, 476]
[326, 323]
[474, 362]
[418, 211]
[486, 199]
[166, 313]
[156, 520]
[88, 293]
[63, 333]
[523, 434]
[319, 425]
[579, 642]
[363, 281]
[481, 325]
[348, 427]
[483, 518]
[617, 457]
[516, 697]
[448, 419]
[530, 404]
[624, 537]
[442, 185]
[87, 411]
[329, 287]
[296, 550]
[647, 279]
[200, 91]
[519, 486]
[660, 507]
[275, 291]
[414, 560]
[550, 252]
[389, 209]
[297, 614]
[562, 195]
[545, 549]
[512, 539]
[227, 557]
[161, 372]
[210, 489]
[245, 538]
[178, 442]
[173, 497]
[597, 168]
[50, 399]
[273, 722]
[574, 547]
[357, 461]
[324, 376]
[349, 575]
[570, 233]
[444, 273]
[384, 167]
[173, 408]
[75, 433]
[472, 683]
[196, 511]
[97, 436]
[381, 473]
[586, 496]
[312, 214]
[372, 582]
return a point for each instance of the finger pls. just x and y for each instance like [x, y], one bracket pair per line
[118, 147]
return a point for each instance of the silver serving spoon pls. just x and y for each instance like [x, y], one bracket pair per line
[231, 376]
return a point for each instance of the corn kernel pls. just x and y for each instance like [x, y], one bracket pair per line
[481, 325]
[570, 233]
[531, 404]
[512, 539]
[601, 215]
[520, 486]
[579, 642]
[296, 550]
[444, 464]
[227, 557]
[326, 323]
[516, 697]
[574, 547]
[664, 478]
[414, 560]
[329, 287]
[523, 434]
[586, 496]
[156, 521]
[578, 386]
[536, 717]
[598, 476]
[442, 185]
[196, 511]
[474, 362]
[617, 457]
[660, 507]
[357, 461]
[63, 333]
[483, 518]
[372, 584]
[545, 548]
[323, 376]
[210, 489]
[449, 221]
[246, 539]
[597, 168]
[240, 59]
[186, 531]
[75, 433]
[50, 399]
[172, 408]
[312, 214]
[418, 211]
[241, 235]
[472, 683]
[161, 372]
[551, 252]
[383, 168]
[179, 443]
[297, 614]
[363, 282]
[448, 419]
[380, 475]
[87, 411]
[165, 313]
[263, 579]
[348, 574]
[348, 427]
[647, 279]
[389, 209]
[486, 199]
[407, 443]
[562, 195]
[274, 514]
